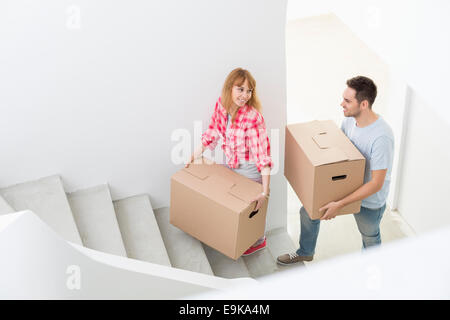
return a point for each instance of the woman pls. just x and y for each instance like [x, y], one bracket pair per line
[237, 119]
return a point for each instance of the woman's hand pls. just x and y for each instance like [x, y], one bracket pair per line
[187, 164]
[259, 201]
[197, 154]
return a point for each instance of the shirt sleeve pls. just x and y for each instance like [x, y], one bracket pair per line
[212, 134]
[259, 144]
[381, 153]
[343, 126]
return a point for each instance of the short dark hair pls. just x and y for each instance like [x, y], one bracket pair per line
[365, 89]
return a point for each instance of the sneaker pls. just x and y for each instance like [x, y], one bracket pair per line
[291, 258]
[252, 250]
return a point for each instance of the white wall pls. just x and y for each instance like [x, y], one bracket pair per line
[411, 38]
[322, 54]
[425, 180]
[93, 90]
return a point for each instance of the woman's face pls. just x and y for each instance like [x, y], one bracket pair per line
[241, 94]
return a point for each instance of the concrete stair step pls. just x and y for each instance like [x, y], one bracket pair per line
[225, 267]
[260, 263]
[140, 231]
[47, 199]
[263, 262]
[95, 217]
[185, 252]
[5, 207]
[279, 242]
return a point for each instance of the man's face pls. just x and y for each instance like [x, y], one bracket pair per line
[350, 105]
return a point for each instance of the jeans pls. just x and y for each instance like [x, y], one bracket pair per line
[367, 220]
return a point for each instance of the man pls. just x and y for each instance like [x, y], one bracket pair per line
[374, 139]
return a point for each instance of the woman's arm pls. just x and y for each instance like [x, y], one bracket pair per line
[197, 154]
[215, 128]
[260, 153]
[265, 173]
[211, 135]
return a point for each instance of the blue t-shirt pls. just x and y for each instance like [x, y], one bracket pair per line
[376, 143]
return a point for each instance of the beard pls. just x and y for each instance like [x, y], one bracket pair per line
[354, 113]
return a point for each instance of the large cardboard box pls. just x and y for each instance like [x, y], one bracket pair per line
[322, 165]
[213, 204]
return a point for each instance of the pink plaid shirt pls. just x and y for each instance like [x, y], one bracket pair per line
[247, 139]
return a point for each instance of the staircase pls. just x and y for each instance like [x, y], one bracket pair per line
[131, 228]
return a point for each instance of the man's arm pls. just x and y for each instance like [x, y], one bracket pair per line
[366, 190]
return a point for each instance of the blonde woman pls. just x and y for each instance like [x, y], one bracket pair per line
[237, 119]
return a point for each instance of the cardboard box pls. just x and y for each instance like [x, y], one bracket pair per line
[322, 165]
[213, 204]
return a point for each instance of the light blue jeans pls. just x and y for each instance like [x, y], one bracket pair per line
[367, 220]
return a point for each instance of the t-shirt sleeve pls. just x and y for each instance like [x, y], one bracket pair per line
[344, 125]
[382, 153]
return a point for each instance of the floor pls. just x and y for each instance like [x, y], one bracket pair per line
[341, 236]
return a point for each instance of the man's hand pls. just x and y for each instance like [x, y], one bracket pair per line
[366, 190]
[331, 210]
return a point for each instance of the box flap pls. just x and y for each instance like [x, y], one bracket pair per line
[198, 171]
[330, 155]
[243, 192]
[323, 142]
[202, 169]
[220, 184]
[217, 182]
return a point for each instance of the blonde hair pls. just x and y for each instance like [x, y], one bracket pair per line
[236, 78]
